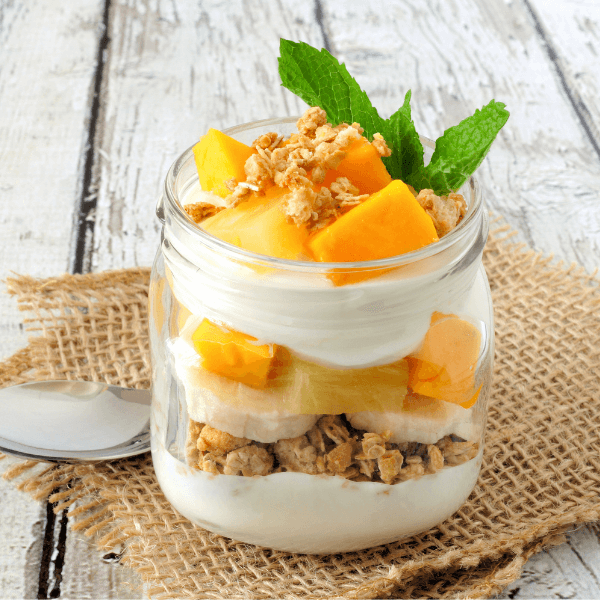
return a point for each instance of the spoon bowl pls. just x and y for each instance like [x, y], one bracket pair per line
[74, 421]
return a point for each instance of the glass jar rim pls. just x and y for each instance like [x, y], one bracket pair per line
[462, 230]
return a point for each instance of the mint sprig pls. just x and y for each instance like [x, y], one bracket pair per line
[320, 80]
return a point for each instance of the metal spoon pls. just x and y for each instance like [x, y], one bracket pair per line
[74, 421]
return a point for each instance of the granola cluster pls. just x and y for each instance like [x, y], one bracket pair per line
[302, 161]
[331, 447]
[297, 164]
[446, 212]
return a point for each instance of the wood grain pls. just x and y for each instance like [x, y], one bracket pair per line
[570, 30]
[567, 571]
[87, 575]
[542, 174]
[21, 527]
[176, 69]
[45, 76]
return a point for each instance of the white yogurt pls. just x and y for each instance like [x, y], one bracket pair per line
[371, 323]
[312, 514]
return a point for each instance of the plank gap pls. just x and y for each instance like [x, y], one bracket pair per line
[47, 551]
[83, 238]
[320, 21]
[579, 106]
[61, 548]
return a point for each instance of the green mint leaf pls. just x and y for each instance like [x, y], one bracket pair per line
[320, 80]
[462, 148]
[402, 137]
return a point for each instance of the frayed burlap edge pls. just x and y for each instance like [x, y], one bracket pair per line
[100, 510]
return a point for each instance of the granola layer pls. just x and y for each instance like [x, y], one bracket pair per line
[331, 447]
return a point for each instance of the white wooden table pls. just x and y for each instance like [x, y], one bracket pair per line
[98, 97]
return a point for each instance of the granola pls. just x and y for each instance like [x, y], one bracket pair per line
[298, 164]
[446, 212]
[331, 447]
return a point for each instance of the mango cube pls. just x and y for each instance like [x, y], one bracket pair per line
[363, 167]
[233, 354]
[389, 223]
[219, 158]
[444, 367]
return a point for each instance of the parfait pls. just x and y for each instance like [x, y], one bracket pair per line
[322, 338]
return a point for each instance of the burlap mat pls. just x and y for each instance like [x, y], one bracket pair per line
[541, 471]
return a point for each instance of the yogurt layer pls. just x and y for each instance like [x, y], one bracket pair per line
[295, 305]
[296, 512]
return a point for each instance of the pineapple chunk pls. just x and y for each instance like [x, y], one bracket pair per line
[302, 387]
[363, 167]
[444, 367]
[233, 354]
[219, 158]
[260, 225]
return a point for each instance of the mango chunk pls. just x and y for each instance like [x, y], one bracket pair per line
[219, 158]
[232, 354]
[259, 225]
[363, 167]
[444, 367]
[389, 223]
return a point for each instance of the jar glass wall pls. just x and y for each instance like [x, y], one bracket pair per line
[316, 407]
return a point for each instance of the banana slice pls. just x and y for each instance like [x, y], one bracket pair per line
[254, 418]
[423, 420]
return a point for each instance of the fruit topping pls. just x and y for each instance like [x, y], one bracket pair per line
[260, 225]
[363, 167]
[220, 159]
[444, 367]
[233, 354]
[389, 223]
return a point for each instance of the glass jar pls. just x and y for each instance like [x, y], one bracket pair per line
[391, 464]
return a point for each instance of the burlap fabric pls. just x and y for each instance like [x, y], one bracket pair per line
[541, 471]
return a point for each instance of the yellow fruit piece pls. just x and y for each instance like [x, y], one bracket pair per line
[301, 387]
[259, 225]
[315, 389]
[363, 167]
[233, 354]
[445, 365]
[219, 158]
[389, 223]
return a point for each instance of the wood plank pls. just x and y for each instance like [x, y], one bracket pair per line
[176, 69]
[87, 575]
[542, 173]
[47, 65]
[570, 30]
[570, 570]
[21, 530]
[47, 60]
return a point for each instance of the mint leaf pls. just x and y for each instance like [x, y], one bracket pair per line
[320, 80]
[462, 148]
[402, 137]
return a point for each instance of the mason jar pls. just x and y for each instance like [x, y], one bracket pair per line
[370, 427]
